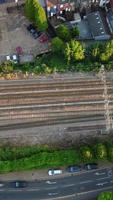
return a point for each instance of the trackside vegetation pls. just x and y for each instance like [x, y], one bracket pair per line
[37, 157]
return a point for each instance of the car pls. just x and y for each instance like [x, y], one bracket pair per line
[74, 168]
[43, 38]
[91, 166]
[19, 184]
[13, 58]
[54, 172]
[33, 31]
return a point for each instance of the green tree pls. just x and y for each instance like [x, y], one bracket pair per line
[67, 53]
[63, 32]
[86, 153]
[40, 16]
[75, 32]
[29, 10]
[74, 51]
[100, 151]
[77, 51]
[94, 51]
[105, 196]
[107, 52]
[57, 45]
[35, 13]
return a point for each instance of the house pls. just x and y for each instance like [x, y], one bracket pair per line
[58, 6]
[97, 26]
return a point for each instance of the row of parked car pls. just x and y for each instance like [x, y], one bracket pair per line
[35, 33]
[74, 169]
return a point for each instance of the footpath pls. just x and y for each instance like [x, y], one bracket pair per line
[35, 175]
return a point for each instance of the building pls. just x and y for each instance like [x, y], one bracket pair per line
[96, 24]
[59, 6]
[109, 18]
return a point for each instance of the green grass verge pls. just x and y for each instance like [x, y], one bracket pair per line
[36, 159]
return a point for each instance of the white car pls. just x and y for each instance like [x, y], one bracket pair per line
[13, 58]
[54, 172]
[1, 184]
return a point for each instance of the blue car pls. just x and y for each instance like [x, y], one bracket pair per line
[74, 168]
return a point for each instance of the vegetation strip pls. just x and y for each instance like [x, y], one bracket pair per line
[35, 157]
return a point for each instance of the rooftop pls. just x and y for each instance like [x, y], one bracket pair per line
[96, 24]
[110, 20]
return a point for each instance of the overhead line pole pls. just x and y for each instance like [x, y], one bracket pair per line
[107, 114]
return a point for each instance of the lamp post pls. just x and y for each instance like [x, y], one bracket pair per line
[16, 1]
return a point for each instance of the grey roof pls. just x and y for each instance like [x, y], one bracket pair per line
[96, 24]
[42, 2]
[110, 19]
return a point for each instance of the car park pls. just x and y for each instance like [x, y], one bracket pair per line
[33, 31]
[91, 166]
[13, 58]
[54, 172]
[19, 184]
[74, 168]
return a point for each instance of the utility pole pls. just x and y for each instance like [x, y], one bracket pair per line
[107, 114]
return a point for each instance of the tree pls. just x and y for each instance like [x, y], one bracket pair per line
[67, 53]
[74, 51]
[35, 13]
[29, 10]
[105, 196]
[40, 16]
[75, 32]
[94, 51]
[86, 153]
[77, 51]
[57, 45]
[100, 151]
[63, 32]
[107, 52]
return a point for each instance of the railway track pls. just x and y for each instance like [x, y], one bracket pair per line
[61, 101]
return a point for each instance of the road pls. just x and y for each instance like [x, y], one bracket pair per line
[81, 186]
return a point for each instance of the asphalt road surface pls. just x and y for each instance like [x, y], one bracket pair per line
[85, 185]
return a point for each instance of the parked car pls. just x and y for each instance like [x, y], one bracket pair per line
[19, 184]
[54, 172]
[74, 168]
[14, 58]
[33, 31]
[91, 166]
[43, 38]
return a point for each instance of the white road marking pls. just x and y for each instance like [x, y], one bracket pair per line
[106, 177]
[83, 182]
[54, 193]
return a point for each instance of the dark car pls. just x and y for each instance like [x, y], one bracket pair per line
[91, 166]
[74, 168]
[19, 184]
[33, 30]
